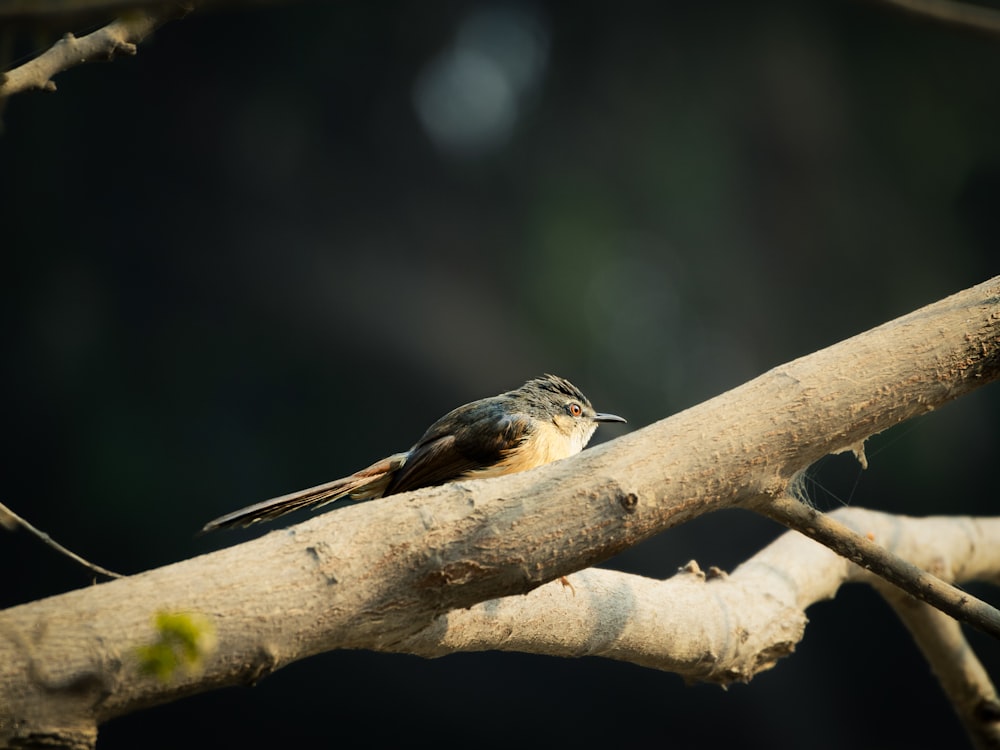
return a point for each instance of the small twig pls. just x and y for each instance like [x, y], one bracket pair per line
[10, 520]
[961, 674]
[965, 15]
[871, 556]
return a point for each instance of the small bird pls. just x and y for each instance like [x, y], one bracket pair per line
[546, 419]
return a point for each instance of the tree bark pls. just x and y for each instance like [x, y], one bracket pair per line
[117, 38]
[374, 575]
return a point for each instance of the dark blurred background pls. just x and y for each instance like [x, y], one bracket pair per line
[280, 241]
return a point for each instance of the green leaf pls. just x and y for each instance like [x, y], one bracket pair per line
[183, 641]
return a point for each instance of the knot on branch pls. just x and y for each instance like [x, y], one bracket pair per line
[629, 501]
[987, 711]
[693, 569]
[459, 572]
[262, 662]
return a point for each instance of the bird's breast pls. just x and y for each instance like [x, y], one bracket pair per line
[544, 444]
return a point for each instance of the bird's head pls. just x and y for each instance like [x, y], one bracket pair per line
[555, 399]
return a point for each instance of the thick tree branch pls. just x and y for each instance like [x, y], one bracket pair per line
[373, 575]
[708, 626]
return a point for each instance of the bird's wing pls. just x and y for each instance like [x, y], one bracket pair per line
[361, 485]
[465, 441]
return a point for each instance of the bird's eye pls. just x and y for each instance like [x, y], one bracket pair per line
[575, 409]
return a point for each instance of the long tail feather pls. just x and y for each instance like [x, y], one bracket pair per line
[362, 485]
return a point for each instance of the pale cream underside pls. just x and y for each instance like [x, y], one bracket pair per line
[547, 443]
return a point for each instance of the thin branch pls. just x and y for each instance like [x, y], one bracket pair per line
[119, 37]
[958, 670]
[10, 520]
[869, 554]
[963, 15]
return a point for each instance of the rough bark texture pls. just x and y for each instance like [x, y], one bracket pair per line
[372, 575]
[709, 626]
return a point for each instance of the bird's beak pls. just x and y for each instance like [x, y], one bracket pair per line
[609, 418]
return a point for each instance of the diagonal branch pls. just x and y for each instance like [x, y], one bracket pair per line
[119, 37]
[373, 575]
[958, 670]
[953, 12]
[11, 520]
[708, 627]
[870, 554]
